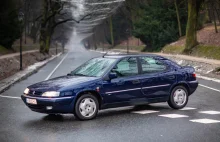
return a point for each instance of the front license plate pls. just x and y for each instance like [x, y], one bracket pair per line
[31, 101]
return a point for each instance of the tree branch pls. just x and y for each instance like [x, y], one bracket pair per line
[55, 13]
[61, 14]
[38, 18]
[67, 20]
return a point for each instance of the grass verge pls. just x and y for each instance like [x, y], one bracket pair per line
[3, 50]
[205, 51]
[173, 49]
[26, 47]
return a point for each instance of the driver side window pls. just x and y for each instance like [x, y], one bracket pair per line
[127, 67]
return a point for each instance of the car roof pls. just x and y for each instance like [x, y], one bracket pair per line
[119, 56]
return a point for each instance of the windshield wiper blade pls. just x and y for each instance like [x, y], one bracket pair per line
[80, 74]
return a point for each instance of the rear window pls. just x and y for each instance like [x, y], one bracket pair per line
[173, 63]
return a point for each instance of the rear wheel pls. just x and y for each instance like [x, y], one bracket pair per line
[178, 97]
[86, 107]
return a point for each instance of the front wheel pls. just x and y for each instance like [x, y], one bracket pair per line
[86, 107]
[178, 97]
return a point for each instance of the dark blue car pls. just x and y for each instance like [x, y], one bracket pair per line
[113, 81]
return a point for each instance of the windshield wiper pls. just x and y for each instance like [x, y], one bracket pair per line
[79, 74]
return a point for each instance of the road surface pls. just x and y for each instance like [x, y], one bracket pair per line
[156, 123]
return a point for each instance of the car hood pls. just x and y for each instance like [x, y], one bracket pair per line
[60, 82]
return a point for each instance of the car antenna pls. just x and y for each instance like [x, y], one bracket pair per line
[105, 54]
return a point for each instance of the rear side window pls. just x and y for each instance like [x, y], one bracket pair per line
[151, 65]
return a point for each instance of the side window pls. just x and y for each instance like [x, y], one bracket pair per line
[150, 65]
[127, 67]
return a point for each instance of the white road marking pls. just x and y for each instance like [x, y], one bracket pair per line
[205, 121]
[173, 116]
[208, 78]
[10, 97]
[209, 88]
[210, 112]
[57, 67]
[188, 108]
[145, 111]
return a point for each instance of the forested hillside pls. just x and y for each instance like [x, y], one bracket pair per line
[160, 22]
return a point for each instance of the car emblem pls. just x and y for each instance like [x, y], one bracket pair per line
[33, 93]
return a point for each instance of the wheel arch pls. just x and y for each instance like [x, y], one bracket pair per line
[92, 92]
[181, 84]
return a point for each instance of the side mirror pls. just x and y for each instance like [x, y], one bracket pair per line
[112, 75]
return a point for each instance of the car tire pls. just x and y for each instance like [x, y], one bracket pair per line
[86, 107]
[178, 98]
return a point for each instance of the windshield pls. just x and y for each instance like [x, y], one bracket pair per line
[94, 68]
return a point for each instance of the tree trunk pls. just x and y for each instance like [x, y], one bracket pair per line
[191, 37]
[111, 32]
[94, 40]
[210, 16]
[214, 18]
[44, 34]
[45, 37]
[218, 16]
[178, 18]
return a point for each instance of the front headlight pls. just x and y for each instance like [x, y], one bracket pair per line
[51, 94]
[26, 91]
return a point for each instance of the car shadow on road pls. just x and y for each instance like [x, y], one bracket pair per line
[53, 117]
[115, 116]
[128, 110]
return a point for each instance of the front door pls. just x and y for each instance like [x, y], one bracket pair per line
[127, 86]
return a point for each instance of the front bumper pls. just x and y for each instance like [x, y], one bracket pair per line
[58, 105]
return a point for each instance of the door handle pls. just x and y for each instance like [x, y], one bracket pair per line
[136, 81]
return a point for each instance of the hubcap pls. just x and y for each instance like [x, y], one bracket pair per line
[180, 97]
[87, 107]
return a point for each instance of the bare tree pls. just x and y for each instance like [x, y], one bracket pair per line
[53, 15]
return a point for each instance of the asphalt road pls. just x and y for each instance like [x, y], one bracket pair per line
[145, 123]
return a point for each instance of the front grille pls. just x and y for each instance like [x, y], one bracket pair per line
[34, 93]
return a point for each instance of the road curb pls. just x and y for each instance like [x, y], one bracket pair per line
[8, 82]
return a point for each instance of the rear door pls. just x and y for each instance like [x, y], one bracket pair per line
[158, 77]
